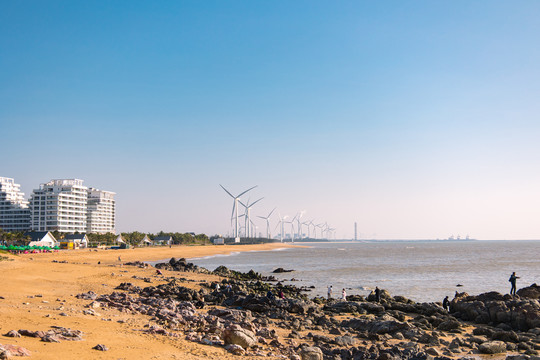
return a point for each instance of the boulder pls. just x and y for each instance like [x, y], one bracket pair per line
[311, 353]
[492, 347]
[100, 347]
[347, 341]
[14, 350]
[530, 292]
[232, 315]
[493, 308]
[237, 335]
[235, 349]
[90, 295]
[449, 325]
[13, 333]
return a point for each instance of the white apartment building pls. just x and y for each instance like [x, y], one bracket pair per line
[59, 205]
[14, 211]
[101, 212]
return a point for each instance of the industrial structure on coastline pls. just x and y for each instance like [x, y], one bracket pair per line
[63, 205]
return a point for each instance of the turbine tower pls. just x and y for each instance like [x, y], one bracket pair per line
[235, 207]
[267, 223]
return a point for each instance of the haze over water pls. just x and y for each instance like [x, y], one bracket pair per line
[423, 271]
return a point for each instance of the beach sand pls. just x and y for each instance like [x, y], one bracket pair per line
[39, 293]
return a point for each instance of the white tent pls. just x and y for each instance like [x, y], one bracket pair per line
[120, 240]
[145, 241]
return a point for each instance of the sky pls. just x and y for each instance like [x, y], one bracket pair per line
[417, 120]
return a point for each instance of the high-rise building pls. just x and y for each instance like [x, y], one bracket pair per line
[59, 205]
[101, 212]
[14, 211]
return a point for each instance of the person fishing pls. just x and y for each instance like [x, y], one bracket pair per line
[512, 280]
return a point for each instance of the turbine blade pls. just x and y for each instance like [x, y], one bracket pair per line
[227, 191]
[247, 191]
[271, 212]
[256, 202]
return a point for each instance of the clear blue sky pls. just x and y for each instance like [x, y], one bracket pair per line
[415, 119]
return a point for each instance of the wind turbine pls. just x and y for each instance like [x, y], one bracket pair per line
[298, 217]
[267, 223]
[320, 226]
[281, 224]
[248, 209]
[235, 207]
[308, 224]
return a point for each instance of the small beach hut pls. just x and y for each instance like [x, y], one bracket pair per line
[74, 241]
[162, 240]
[41, 238]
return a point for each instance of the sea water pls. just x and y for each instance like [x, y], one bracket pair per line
[424, 271]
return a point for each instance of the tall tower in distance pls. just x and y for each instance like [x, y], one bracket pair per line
[355, 231]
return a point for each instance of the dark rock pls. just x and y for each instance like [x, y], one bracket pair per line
[180, 265]
[29, 333]
[90, 295]
[100, 347]
[531, 292]
[13, 333]
[281, 270]
[50, 338]
[494, 308]
[449, 325]
[506, 336]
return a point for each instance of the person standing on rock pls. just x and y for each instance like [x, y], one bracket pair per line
[329, 292]
[512, 280]
[343, 295]
[446, 303]
[377, 294]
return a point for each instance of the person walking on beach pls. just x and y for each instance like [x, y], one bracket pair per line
[445, 303]
[512, 280]
[329, 292]
[343, 295]
[377, 294]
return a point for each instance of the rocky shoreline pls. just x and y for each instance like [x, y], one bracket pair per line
[243, 314]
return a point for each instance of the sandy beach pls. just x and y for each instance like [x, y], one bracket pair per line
[39, 293]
